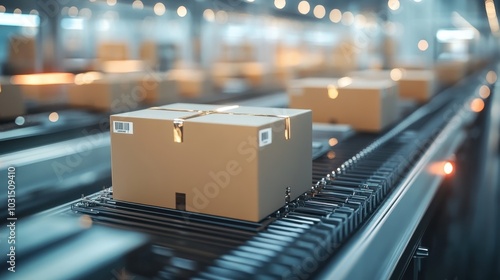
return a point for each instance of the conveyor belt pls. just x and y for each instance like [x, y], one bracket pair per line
[353, 186]
[65, 248]
[36, 129]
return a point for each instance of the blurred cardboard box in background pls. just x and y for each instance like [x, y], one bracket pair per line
[366, 105]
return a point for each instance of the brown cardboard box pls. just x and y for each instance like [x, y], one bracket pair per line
[230, 163]
[112, 51]
[366, 105]
[44, 87]
[158, 88]
[417, 85]
[451, 71]
[111, 93]
[123, 66]
[190, 83]
[149, 53]
[255, 74]
[22, 54]
[11, 101]
[170, 87]
[222, 72]
[45, 94]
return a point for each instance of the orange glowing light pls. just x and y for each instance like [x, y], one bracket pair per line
[330, 155]
[344, 81]
[347, 18]
[209, 15]
[477, 105]
[280, 4]
[394, 5]
[333, 141]
[159, 9]
[396, 74]
[491, 77]
[335, 15]
[319, 11]
[332, 92]
[54, 117]
[423, 45]
[87, 78]
[43, 79]
[484, 91]
[182, 11]
[448, 168]
[304, 7]
[441, 168]
[123, 66]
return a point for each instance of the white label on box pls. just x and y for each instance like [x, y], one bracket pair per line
[123, 127]
[265, 137]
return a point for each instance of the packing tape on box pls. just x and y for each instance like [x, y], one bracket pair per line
[178, 123]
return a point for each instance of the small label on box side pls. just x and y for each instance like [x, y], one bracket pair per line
[265, 137]
[123, 127]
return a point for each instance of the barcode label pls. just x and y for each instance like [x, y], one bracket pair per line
[265, 137]
[123, 127]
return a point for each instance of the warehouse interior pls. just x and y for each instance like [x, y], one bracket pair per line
[249, 139]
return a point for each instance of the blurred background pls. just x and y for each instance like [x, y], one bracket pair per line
[66, 65]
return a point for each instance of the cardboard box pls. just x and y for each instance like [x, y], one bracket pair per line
[254, 74]
[123, 66]
[110, 93]
[22, 54]
[417, 85]
[450, 72]
[170, 87]
[158, 89]
[11, 101]
[190, 83]
[366, 105]
[233, 162]
[45, 94]
[149, 53]
[44, 87]
[112, 51]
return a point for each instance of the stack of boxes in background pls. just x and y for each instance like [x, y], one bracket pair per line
[44, 88]
[366, 105]
[415, 85]
[11, 100]
[113, 93]
[254, 75]
[22, 55]
[107, 51]
[449, 72]
[124, 84]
